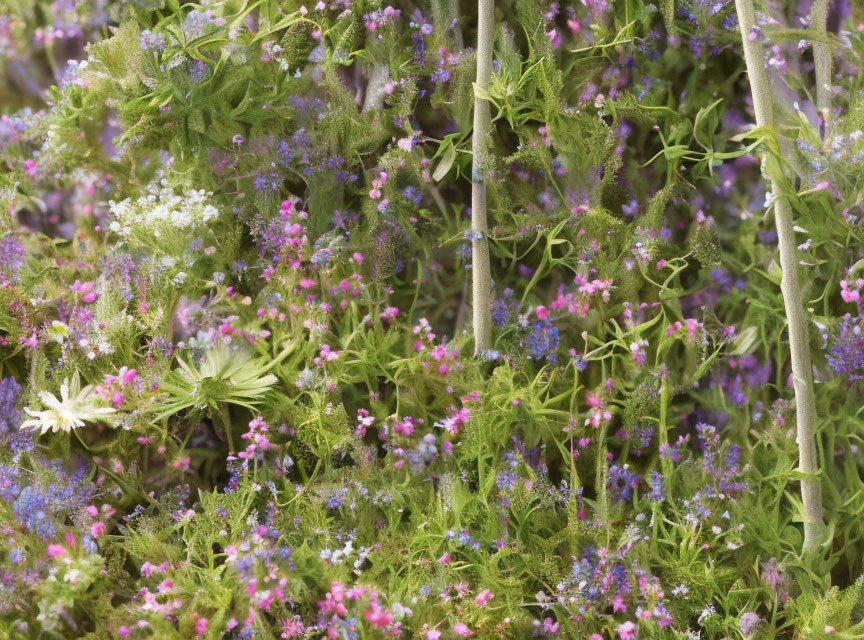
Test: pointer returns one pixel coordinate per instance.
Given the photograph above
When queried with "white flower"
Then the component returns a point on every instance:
(72, 410)
(162, 210)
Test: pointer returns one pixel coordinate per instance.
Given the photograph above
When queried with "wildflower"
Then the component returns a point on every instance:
(706, 613)
(152, 41)
(503, 307)
(461, 629)
(598, 413)
(224, 375)
(851, 293)
(543, 341)
(201, 625)
(771, 573)
(748, 623)
(72, 410)
(378, 616)
(627, 631)
(484, 597)
(620, 483)
(162, 211)
(656, 482)
(12, 254)
(844, 340)
(637, 351)
(549, 627)
(9, 412)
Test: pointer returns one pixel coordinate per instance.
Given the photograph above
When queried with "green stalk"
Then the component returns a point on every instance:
(665, 464)
(796, 318)
(481, 273)
(448, 10)
(821, 58)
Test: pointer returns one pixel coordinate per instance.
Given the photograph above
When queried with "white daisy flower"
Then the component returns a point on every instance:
(72, 410)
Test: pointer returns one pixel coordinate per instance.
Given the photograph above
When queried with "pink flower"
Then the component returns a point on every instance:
(55, 550)
(378, 616)
(848, 293)
(542, 313)
(201, 625)
(445, 559)
(291, 628)
(123, 631)
(627, 631)
(461, 629)
(97, 528)
(484, 597)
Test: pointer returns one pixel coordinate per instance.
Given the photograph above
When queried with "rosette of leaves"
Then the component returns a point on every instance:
(224, 375)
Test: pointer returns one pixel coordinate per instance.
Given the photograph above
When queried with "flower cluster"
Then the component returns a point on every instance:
(162, 211)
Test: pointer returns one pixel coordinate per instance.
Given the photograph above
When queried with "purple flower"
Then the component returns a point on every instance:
(620, 483)
(413, 194)
(748, 623)
(543, 341)
(199, 70)
(10, 414)
(12, 253)
(152, 41)
(844, 341)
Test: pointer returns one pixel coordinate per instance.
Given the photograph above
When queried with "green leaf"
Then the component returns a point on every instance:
(446, 162)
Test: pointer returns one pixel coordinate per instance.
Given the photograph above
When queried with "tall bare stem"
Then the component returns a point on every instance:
(481, 274)
(796, 318)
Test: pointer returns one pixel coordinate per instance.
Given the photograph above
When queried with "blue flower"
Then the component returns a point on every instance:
(10, 415)
(543, 341)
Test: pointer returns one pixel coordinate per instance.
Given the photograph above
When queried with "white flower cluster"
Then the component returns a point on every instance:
(163, 209)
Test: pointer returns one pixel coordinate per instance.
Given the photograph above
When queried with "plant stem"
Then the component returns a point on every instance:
(667, 8)
(665, 463)
(796, 318)
(225, 418)
(481, 274)
(821, 58)
(450, 9)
